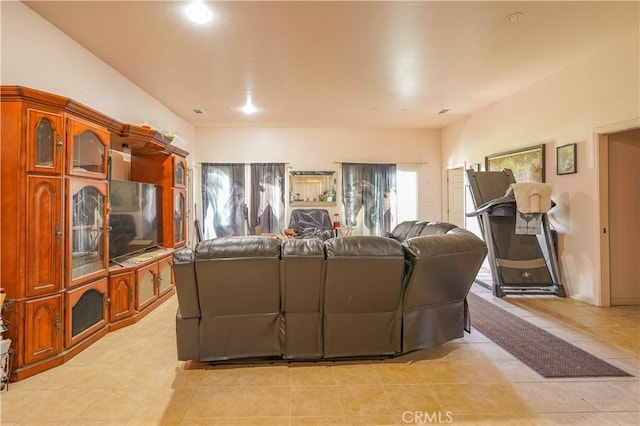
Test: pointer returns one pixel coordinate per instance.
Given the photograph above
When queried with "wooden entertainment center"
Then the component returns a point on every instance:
(63, 292)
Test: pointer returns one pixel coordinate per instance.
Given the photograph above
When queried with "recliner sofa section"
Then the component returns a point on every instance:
(303, 273)
(363, 290)
(305, 299)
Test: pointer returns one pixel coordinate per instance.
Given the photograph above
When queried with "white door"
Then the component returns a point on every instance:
(455, 196)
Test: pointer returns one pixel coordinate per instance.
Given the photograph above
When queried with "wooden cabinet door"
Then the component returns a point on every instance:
(165, 275)
(86, 311)
(45, 146)
(146, 286)
(87, 149)
(122, 296)
(44, 235)
(43, 328)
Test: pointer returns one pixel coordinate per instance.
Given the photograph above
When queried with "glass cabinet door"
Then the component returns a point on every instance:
(179, 203)
(87, 233)
(45, 146)
(87, 150)
(179, 172)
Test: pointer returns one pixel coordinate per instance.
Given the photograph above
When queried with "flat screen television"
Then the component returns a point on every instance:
(134, 218)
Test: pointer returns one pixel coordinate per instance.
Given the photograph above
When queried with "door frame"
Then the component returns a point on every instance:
(602, 292)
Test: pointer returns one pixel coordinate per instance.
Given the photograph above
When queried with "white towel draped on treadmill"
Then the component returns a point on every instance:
(532, 199)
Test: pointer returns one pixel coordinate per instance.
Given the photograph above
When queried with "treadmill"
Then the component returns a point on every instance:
(520, 263)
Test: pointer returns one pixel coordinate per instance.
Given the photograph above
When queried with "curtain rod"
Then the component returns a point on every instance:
(398, 163)
(286, 163)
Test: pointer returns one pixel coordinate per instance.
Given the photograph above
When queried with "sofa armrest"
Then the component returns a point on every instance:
(442, 266)
(455, 240)
(186, 283)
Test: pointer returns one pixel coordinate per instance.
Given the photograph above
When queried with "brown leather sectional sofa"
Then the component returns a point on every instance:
(305, 299)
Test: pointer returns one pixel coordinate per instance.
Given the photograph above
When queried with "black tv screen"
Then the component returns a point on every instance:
(134, 217)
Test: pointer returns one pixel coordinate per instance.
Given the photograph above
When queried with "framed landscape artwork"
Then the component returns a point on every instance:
(527, 164)
(566, 159)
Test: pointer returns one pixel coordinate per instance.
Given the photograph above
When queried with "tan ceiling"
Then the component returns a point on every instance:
(338, 64)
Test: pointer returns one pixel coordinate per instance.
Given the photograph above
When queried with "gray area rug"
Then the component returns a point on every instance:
(545, 353)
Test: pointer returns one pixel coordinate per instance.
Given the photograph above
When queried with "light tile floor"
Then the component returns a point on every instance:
(132, 377)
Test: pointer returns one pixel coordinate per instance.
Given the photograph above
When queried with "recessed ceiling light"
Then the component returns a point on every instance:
(513, 17)
(198, 12)
(248, 107)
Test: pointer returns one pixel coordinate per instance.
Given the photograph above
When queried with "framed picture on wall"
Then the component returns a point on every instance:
(566, 159)
(527, 164)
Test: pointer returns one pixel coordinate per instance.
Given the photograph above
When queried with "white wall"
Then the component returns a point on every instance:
(321, 149)
(567, 107)
(36, 54)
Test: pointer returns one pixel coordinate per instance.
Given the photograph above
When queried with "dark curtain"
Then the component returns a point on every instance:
(267, 197)
(369, 189)
(223, 200)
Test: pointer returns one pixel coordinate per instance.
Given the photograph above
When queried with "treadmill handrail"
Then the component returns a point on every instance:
(490, 205)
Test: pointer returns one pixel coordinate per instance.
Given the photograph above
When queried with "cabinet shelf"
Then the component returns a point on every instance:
(312, 188)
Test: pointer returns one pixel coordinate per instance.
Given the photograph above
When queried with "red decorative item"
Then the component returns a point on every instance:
(336, 221)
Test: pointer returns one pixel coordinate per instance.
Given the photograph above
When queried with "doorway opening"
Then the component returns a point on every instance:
(619, 184)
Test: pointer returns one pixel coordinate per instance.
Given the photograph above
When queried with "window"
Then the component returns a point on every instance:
(407, 194)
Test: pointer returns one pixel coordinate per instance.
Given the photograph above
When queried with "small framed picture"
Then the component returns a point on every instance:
(566, 159)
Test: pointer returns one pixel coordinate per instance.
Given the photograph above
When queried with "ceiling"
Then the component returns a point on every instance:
(338, 64)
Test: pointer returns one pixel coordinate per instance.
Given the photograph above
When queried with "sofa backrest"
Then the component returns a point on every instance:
(434, 228)
(415, 229)
(364, 274)
(401, 230)
(238, 275)
(303, 274)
